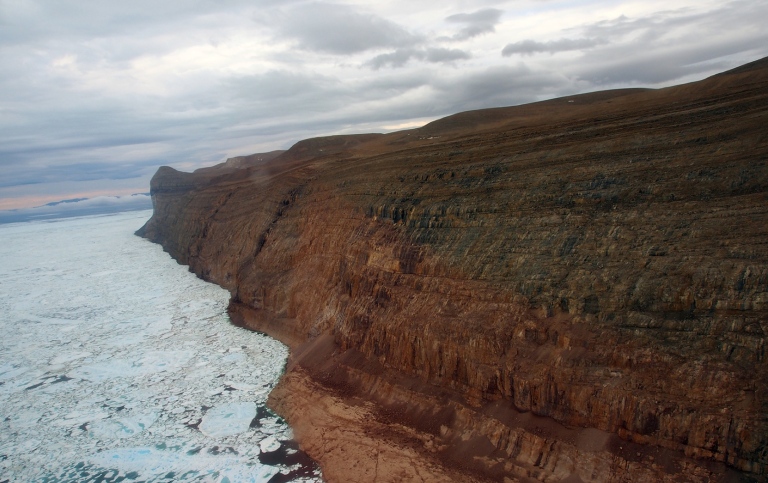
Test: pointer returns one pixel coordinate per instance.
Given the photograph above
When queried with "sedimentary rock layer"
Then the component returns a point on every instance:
(576, 288)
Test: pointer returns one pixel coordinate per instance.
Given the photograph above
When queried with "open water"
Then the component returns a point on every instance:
(118, 364)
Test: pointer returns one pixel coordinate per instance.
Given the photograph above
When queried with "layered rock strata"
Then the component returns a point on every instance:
(570, 290)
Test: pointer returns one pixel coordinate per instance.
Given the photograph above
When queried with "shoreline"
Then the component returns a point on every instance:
(337, 428)
(363, 422)
(506, 299)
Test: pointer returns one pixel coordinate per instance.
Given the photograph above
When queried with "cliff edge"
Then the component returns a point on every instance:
(571, 290)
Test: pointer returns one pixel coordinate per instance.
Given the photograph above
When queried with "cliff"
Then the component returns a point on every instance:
(571, 290)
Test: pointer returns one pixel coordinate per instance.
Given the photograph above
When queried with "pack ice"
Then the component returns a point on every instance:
(117, 364)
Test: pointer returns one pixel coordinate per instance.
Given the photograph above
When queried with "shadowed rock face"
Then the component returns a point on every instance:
(576, 288)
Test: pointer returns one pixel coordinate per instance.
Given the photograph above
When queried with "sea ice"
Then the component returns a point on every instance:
(122, 427)
(117, 361)
(149, 363)
(156, 463)
(78, 418)
(228, 419)
(68, 357)
(269, 445)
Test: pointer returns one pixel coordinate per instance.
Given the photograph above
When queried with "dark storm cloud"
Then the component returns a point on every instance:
(433, 55)
(530, 47)
(477, 23)
(340, 29)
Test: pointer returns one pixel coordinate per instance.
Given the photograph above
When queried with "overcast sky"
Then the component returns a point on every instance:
(95, 94)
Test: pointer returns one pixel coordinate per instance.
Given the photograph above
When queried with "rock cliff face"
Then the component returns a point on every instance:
(570, 290)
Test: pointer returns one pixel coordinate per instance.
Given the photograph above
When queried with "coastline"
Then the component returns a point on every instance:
(502, 301)
(336, 427)
(362, 422)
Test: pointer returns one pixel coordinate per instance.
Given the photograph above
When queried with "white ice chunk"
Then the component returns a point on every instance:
(228, 419)
(269, 444)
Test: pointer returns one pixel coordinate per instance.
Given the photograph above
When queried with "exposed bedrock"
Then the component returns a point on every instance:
(570, 289)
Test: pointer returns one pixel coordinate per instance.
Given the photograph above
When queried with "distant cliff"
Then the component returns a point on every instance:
(574, 289)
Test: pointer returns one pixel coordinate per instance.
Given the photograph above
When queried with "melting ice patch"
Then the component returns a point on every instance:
(118, 364)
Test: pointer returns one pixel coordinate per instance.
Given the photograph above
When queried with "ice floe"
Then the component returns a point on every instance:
(116, 364)
(228, 419)
(269, 445)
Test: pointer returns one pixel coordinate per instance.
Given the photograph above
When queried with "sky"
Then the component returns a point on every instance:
(96, 95)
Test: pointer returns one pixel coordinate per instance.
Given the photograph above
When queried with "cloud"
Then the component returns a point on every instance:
(435, 55)
(658, 67)
(100, 205)
(340, 29)
(530, 47)
(57, 173)
(40, 20)
(498, 86)
(398, 58)
(655, 48)
(96, 98)
(477, 23)
(670, 45)
(432, 55)
(281, 92)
